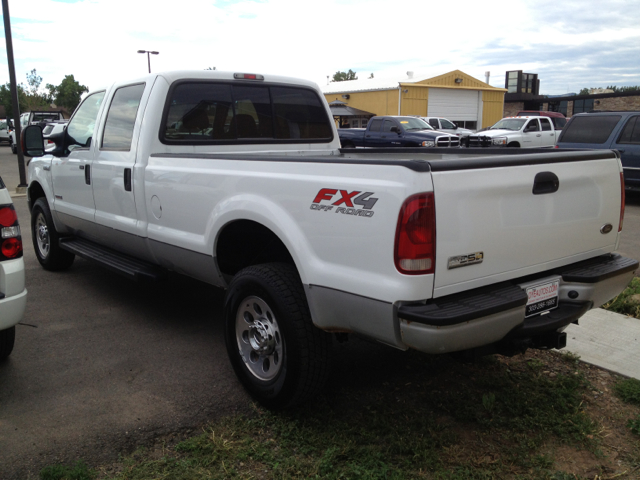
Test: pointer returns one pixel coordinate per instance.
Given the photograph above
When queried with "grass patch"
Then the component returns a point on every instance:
(626, 303)
(80, 471)
(628, 390)
(490, 420)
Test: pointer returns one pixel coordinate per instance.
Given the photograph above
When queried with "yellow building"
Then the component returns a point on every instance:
(459, 97)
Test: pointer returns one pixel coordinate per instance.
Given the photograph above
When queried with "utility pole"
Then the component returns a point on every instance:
(22, 187)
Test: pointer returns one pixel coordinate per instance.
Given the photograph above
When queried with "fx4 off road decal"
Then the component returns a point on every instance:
(344, 202)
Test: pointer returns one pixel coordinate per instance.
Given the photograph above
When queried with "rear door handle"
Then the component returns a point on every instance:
(127, 179)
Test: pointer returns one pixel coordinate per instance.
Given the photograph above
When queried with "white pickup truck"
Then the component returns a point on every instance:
(238, 180)
(524, 132)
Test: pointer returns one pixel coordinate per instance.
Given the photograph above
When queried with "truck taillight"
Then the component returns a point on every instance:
(622, 200)
(10, 239)
(415, 246)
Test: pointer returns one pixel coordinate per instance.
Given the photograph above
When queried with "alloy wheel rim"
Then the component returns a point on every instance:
(42, 236)
(259, 340)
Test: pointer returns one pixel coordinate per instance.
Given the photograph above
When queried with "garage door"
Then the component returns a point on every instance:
(455, 104)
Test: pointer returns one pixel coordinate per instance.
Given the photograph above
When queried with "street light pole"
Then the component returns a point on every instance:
(148, 56)
(14, 97)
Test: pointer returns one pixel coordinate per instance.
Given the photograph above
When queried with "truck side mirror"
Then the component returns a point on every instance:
(32, 141)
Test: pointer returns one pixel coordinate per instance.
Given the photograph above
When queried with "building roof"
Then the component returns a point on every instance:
(369, 84)
(441, 81)
(346, 111)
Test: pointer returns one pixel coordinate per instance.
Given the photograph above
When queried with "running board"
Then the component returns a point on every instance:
(112, 260)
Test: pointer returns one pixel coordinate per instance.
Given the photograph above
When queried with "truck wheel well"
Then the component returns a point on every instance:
(348, 144)
(243, 243)
(514, 145)
(35, 192)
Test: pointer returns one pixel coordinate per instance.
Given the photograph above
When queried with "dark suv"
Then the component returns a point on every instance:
(608, 130)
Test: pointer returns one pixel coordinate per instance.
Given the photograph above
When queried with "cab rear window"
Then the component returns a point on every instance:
(590, 129)
(213, 112)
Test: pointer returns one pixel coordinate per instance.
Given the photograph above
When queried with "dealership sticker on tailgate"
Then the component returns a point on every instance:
(542, 298)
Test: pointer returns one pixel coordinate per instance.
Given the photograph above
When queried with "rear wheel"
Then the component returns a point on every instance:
(45, 239)
(7, 340)
(348, 145)
(280, 357)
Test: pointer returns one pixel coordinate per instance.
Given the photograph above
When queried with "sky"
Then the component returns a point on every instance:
(570, 44)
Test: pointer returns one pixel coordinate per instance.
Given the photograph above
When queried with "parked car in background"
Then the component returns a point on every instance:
(523, 132)
(13, 293)
(34, 118)
(557, 118)
(4, 132)
(608, 130)
(444, 125)
(393, 131)
(52, 131)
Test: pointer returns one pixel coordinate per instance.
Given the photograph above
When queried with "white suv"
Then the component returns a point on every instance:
(13, 294)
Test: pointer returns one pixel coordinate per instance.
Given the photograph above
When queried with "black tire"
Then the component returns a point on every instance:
(7, 340)
(45, 239)
(348, 145)
(267, 322)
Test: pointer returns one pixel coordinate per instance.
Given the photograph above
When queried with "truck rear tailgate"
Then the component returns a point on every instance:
(492, 227)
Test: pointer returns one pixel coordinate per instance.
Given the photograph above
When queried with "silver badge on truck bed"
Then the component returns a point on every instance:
(464, 260)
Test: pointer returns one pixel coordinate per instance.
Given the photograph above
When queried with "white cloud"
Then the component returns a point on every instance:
(97, 40)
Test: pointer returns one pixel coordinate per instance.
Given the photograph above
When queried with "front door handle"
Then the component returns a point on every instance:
(87, 174)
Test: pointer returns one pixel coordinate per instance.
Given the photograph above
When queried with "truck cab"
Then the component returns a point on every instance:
(521, 132)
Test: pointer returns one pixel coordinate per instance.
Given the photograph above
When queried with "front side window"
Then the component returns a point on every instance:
(631, 131)
(532, 126)
(208, 113)
(388, 125)
(83, 123)
(447, 124)
(121, 118)
(589, 129)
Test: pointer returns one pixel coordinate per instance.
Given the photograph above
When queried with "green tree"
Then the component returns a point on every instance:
(344, 76)
(68, 93)
(5, 99)
(34, 99)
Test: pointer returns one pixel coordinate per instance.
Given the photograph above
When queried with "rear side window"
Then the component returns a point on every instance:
(212, 112)
(121, 118)
(590, 129)
(375, 125)
(546, 124)
(559, 122)
(631, 132)
(434, 123)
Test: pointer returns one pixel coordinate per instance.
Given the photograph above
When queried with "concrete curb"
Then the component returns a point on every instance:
(608, 340)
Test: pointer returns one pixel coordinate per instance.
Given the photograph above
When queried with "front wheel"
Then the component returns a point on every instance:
(45, 239)
(7, 339)
(280, 357)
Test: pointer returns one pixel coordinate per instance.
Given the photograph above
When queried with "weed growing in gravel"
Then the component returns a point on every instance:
(629, 391)
(627, 303)
(80, 471)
